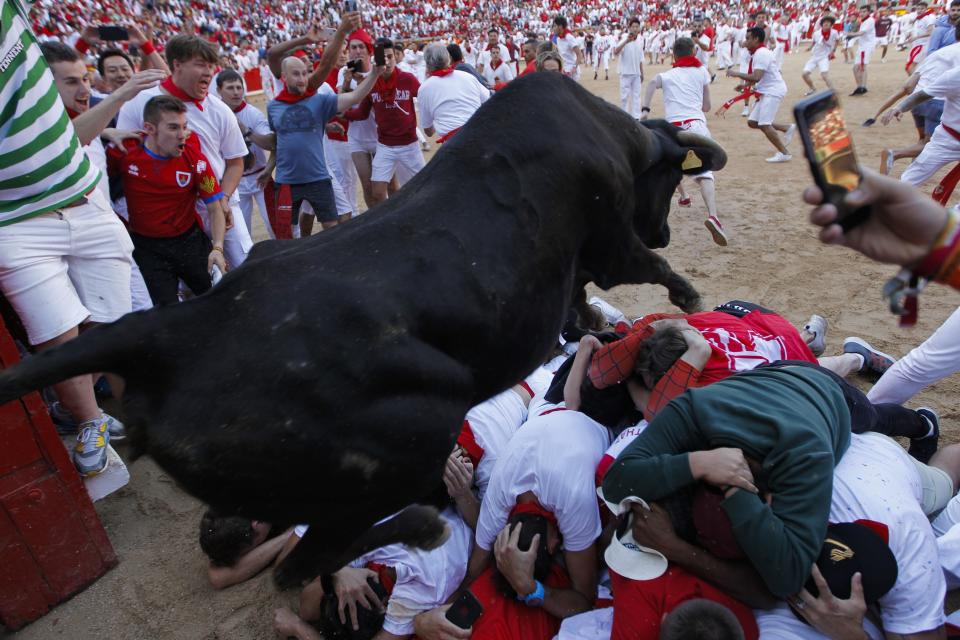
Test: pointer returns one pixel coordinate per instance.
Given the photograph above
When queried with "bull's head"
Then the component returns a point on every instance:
(669, 154)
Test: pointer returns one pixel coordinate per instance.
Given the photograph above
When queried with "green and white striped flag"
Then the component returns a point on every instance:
(42, 165)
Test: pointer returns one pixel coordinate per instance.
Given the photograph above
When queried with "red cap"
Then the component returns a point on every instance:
(363, 37)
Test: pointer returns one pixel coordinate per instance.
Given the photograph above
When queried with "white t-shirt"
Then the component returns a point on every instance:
(867, 41)
(555, 456)
(493, 423)
(703, 52)
(822, 47)
(631, 58)
(947, 87)
(483, 58)
(683, 93)
(362, 131)
(565, 47)
(503, 73)
(447, 103)
(922, 29)
(256, 121)
(425, 579)
(216, 126)
(877, 480)
(771, 84)
(936, 64)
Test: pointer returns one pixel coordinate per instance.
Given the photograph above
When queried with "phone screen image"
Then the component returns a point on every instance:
(833, 148)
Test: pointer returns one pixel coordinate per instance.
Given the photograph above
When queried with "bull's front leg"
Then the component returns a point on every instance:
(645, 266)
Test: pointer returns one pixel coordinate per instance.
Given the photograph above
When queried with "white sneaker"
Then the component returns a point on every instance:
(746, 111)
(788, 135)
(610, 312)
(780, 157)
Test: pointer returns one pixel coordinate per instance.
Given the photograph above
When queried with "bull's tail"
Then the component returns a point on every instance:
(103, 348)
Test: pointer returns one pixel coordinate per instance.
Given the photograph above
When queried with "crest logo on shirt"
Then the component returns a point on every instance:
(201, 166)
(133, 170)
(183, 178)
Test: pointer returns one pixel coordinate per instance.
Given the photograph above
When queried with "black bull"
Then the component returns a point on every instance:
(326, 379)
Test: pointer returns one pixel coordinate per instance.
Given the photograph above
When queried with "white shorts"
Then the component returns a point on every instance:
(363, 146)
(765, 111)
(65, 267)
(863, 55)
(698, 127)
(883, 41)
(405, 160)
(823, 64)
(343, 205)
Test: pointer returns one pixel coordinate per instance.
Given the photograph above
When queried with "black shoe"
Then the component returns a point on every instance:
(869, 122)
(923, 448)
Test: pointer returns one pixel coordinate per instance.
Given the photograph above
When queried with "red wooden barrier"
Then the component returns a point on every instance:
(52, 544)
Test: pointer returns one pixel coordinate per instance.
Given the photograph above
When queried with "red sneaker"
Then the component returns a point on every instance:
(716, 230)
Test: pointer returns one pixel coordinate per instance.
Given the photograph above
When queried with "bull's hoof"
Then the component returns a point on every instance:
(430, 530)
(688, 300)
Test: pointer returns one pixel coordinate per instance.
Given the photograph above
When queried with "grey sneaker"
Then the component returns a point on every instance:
(115, 427)
(874, 361)
(817, 327)
(90, 452)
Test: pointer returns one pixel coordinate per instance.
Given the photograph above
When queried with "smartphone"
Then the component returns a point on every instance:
(465, 610)
(829, 149)
(112, 33)
(351, 6)
(379, 57)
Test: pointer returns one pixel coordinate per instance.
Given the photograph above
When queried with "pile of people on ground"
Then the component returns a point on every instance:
(712, 470)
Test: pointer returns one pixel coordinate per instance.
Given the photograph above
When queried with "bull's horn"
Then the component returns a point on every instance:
(689, 139)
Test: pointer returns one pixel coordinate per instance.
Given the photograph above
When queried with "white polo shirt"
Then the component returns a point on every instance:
(683, 93)
(565, 47)
(554, 455)
(446, 103)
(947, 87)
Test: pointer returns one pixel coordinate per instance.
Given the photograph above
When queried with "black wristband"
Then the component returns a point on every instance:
(644, 109)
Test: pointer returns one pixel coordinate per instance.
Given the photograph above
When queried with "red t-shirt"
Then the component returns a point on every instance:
(162, 193)
(640, 605)
(392, 109)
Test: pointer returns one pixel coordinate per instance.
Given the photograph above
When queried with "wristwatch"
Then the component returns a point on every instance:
(535, 597)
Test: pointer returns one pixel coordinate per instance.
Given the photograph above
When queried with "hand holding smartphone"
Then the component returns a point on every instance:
(465, 610)
(379, 56)
(829, 149)
(112, 33)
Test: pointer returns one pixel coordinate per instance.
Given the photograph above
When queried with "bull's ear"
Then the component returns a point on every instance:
(699, 153)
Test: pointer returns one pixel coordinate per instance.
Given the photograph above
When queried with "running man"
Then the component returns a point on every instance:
(823, 47)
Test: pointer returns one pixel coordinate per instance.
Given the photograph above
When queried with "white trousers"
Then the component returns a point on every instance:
(942, 149)
(247, 200)
(630, 93)
(237, 241)
(936, 358)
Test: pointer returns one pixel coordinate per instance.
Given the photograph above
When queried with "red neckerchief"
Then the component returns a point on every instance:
(168, 86)
(243, 104)
(566, 32)
(826, 34)
(387, 87)
(750, 65)
(925, 13)
(441, 73)
(687, 61)
(495, 66)
(468, 442)
(530, 68)
(293, 98)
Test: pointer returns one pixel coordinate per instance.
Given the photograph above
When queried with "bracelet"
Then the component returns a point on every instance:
(217, 248)
(644, 109)
(148, 48)
(942, 263)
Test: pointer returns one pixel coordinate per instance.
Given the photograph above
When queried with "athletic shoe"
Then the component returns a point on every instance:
(810, 92)
(780, 157)
(684, 202)
(788, 135)
(923, 448)
(62, 418)
(886, 160)
(869, 122)
(874, 361)
(746, 111)
(610, 312)
(716, 230)
(817, 325)
(115, 427)
(90, 452)
(859, 91)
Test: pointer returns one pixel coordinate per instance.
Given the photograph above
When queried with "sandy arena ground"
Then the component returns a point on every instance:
(159, 590)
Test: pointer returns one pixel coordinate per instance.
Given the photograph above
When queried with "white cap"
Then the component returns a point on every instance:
(624, 555)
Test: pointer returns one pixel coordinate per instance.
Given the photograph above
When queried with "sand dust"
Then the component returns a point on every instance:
(159, 589)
